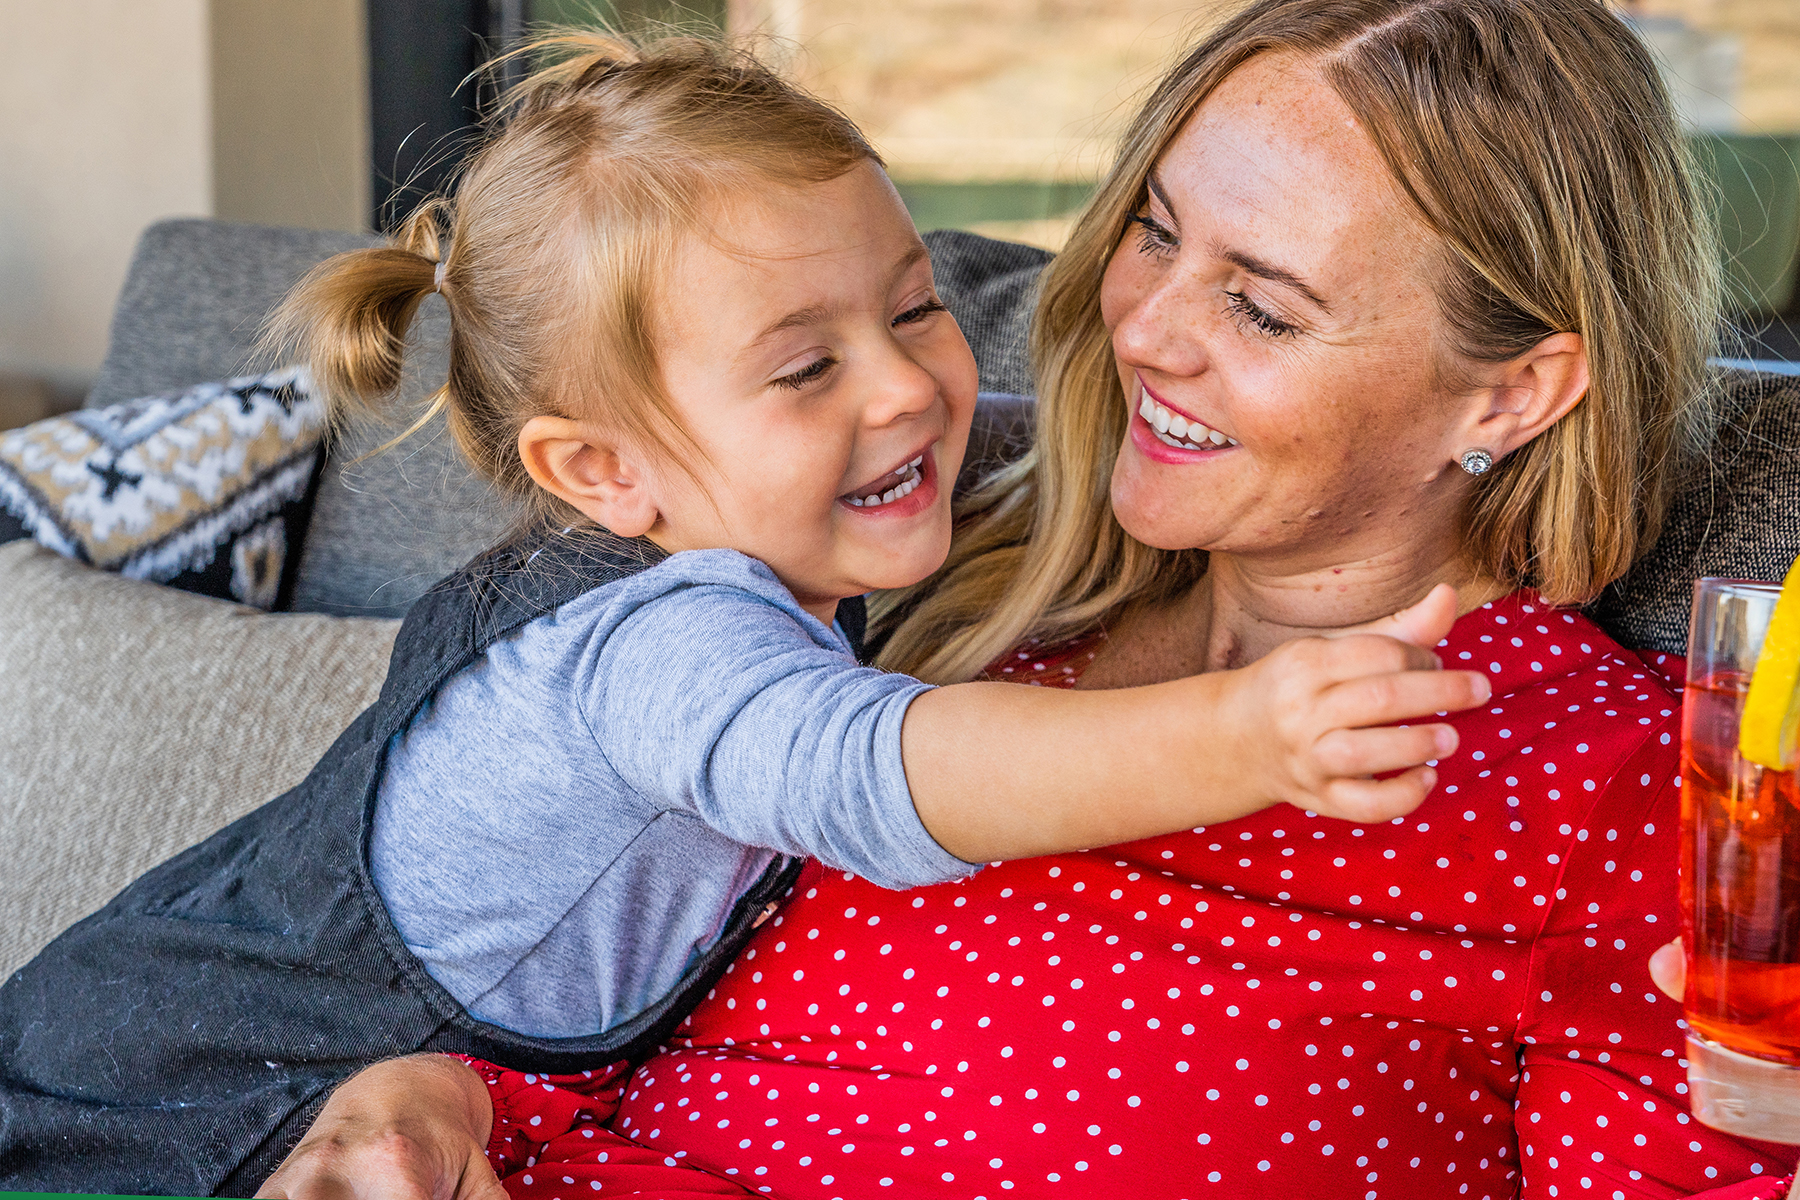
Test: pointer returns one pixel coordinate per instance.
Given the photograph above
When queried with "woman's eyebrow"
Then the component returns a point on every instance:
(1238, 258)
(1274, 274)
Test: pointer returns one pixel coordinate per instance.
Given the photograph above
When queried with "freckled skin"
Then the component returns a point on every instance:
(1346, 436)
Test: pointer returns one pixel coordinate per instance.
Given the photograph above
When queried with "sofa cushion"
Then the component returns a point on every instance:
(139, 719)
(1737, 515)
(195, 299)
(203, 490)
(388, 525)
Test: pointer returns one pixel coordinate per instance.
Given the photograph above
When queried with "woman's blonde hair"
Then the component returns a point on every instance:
(1536, 139)
(558, 241)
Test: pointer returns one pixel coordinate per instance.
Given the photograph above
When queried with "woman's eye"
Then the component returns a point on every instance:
(807, 374)
(1153, 237)
(1246, 309)
(919, 312)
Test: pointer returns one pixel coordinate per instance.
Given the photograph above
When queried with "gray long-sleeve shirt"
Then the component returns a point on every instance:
(571, 818)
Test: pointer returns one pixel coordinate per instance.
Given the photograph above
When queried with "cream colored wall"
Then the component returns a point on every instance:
(105, 125)
(117, 113)
(290, 112)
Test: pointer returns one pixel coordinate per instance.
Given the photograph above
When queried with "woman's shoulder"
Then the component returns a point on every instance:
(1571, 710)
(1528, 646)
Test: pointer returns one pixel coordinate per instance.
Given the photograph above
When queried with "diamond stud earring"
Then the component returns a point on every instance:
(1476, 462)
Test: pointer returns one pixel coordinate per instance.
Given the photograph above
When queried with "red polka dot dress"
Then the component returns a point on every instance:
(1455, 1003)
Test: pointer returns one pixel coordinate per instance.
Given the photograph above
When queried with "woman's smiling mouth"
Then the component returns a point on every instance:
(1176, 429)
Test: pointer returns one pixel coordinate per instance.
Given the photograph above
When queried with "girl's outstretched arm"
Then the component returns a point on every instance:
(999, 771)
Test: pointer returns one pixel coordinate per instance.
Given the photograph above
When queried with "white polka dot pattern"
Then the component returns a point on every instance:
(1452, 1004)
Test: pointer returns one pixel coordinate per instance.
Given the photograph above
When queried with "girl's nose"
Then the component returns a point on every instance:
(1165, 328)
(904, 388)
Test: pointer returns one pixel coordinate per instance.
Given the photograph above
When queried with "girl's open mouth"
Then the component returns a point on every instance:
(895, 485)
(908, 488)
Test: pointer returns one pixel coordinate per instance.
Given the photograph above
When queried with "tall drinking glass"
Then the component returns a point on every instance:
(1740, 883)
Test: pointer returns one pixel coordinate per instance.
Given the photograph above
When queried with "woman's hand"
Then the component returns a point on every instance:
(1323, 714)
(1668, 970)
(406, 1129)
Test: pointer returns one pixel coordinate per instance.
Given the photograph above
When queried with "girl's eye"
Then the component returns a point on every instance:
(1246, 309)
(1153, 237)
(807, 374)
(919, 312)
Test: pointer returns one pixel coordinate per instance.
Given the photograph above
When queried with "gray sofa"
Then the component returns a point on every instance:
(143, 719)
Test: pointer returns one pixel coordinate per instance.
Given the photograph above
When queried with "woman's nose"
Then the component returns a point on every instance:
(1164, 328)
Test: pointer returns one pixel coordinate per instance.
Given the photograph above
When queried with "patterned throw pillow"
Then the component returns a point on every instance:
(205, 490)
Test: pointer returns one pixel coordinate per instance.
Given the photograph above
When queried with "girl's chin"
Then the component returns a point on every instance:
(886, 567)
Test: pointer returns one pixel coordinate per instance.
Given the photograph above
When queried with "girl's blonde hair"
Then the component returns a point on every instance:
(1537, 140)
(558, 241)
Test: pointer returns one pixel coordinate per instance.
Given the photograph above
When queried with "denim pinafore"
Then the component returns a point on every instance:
(182, 1038)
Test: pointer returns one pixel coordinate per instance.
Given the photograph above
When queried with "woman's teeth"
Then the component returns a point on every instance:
(1176, 430)
(910, 478)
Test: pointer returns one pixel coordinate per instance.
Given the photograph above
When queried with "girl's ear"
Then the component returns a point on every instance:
(576, 462)
(1531, 393)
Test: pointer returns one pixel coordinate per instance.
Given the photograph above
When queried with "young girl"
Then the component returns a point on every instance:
(690, 316)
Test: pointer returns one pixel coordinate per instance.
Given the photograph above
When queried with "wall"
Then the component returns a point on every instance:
(117, 113)
(105, 125)
(290, 103)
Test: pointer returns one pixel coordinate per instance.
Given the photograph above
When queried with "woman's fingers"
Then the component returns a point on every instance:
(412, 1128)
(1668, 969)
(1353, 753)
(393, 1167)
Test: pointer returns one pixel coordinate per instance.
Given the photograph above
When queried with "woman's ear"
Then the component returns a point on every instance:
(1532, 392)
(574, 461)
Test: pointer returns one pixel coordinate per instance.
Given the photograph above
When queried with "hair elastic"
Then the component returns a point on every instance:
(437, 278)
(1476, 462)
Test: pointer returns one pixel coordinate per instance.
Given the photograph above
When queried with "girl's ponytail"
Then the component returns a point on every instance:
(347, 319)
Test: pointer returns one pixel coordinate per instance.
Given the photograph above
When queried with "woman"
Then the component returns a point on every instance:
(1435, 270)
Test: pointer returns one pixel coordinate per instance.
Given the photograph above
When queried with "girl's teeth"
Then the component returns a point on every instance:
(899, 491)
(1176, 430)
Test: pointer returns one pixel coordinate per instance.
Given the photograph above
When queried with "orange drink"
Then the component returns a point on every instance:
(1740, 883)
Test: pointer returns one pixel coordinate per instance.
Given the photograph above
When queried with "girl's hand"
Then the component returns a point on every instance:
(1668, 970)
(1324, 712)
(406, 1129)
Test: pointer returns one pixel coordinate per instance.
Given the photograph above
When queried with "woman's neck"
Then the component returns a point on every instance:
(1241, 610)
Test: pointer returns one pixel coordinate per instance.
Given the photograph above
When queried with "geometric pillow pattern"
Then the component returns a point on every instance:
(204, 490)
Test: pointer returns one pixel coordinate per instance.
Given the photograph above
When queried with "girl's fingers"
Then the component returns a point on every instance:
(1668, 969)
(1402, 696)
(1374, 800)
(1356, 752)
(1425, 624)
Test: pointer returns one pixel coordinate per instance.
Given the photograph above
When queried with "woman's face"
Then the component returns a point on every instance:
(1276, 290)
